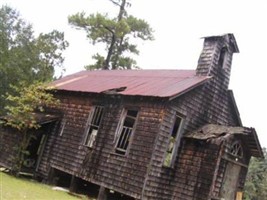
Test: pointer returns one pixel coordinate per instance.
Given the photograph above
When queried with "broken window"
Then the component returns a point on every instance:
(173, 142)
(125, 131)
(236, 150)
(92, 127)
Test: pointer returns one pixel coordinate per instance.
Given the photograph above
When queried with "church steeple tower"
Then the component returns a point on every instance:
(216, 57)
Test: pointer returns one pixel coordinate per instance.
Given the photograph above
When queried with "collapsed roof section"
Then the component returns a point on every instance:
(222, 133)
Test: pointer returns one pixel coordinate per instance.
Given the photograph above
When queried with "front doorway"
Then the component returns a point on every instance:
(35, 148)
(230, 181)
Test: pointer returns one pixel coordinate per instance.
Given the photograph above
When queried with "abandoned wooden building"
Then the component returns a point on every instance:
(148, 134)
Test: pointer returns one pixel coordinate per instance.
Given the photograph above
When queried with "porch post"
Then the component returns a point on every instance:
(51, 175)
(103, 193)
(73, 184)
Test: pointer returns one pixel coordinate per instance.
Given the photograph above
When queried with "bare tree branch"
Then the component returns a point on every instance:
(116, 3)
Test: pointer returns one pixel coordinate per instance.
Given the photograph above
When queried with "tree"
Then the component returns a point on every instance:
(20, 116)
(116, 34)
(256, 182)
(24, 57)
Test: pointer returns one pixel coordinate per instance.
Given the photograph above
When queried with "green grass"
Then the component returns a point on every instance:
(12, 188)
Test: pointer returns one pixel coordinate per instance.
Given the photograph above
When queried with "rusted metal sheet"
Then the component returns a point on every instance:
(159, 83)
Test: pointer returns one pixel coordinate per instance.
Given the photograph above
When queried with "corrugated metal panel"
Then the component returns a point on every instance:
(160, 83)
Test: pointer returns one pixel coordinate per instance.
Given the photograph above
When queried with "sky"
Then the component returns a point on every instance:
(178, 30)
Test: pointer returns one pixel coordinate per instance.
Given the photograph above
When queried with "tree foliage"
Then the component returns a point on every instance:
(256, 182)
(117, 34)
(24, 57)
(21, 115)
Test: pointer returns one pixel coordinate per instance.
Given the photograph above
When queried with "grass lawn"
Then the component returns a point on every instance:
(12, 188)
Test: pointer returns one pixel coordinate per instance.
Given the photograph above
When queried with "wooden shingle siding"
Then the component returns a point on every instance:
(127, 173)
(191, 180)
(209, 103)
(9, 139)
(64, 152)
(101, 165)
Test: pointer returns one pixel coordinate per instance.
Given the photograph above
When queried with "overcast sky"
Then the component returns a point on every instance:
(178, 28)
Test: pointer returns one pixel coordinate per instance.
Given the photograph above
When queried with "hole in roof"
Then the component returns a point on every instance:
(114, 90)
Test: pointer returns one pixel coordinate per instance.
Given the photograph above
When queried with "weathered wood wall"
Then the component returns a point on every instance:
(101, 165)
(127, 174)
(210, 103)
(196, 108)
(9, 139)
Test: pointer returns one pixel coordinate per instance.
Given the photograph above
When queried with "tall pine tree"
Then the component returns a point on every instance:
(117, 34)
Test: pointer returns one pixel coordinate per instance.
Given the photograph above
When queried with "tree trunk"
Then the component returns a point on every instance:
(110, 51)
(21, 152)
(114, 38)
(115, 65)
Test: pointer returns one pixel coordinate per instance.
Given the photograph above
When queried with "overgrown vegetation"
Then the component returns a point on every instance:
(256, 182)
(17, 188)
(26, 59)
(21, 116)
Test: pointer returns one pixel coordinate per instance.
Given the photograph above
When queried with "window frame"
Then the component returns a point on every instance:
(176, 142)
(91, 130)
(120, 127)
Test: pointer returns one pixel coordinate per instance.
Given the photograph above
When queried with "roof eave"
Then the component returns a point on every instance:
(189, 89)
(231, 94)
(257, 142)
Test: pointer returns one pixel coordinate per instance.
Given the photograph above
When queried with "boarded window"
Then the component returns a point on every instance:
(92, 126)
(125, 131)
(173, 142)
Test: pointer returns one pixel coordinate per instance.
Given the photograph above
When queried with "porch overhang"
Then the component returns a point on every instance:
(221, 133)
(40, 118)
(45, 118)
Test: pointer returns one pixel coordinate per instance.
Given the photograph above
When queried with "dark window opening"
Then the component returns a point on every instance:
(175, 135)
(93, 124)
(222, 62)
(35, 148)
(125, 131)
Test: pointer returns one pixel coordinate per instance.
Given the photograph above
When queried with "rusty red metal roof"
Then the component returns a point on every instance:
(157, 83)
